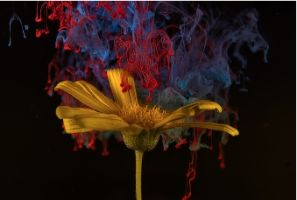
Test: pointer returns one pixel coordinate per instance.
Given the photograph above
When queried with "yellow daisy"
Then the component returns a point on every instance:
(139, 125)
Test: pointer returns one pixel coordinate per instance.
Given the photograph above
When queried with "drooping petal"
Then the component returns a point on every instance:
(77, 120)
(123, 87)
(207, 125)
(84, 95)
(189, 110)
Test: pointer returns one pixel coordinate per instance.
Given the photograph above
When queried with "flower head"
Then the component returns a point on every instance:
(137, 123)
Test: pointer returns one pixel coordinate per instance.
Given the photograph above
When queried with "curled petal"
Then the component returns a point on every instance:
(189, 110)
(207, 125)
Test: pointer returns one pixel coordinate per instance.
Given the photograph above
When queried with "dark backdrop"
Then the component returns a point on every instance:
(37, 161)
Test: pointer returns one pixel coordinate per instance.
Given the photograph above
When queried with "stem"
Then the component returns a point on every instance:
(138, 161)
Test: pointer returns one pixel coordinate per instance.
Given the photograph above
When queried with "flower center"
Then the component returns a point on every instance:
(143, 116)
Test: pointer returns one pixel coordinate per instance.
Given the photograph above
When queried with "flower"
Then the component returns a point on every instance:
(139, 125)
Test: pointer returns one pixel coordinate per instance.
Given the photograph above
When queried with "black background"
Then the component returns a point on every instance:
(37, 161)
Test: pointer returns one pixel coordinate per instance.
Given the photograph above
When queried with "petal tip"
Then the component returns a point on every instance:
(58, 86)
(59, 112)
(219, 109)
(233, 131)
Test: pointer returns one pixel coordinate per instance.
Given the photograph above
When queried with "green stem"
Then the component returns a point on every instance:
(138, 161)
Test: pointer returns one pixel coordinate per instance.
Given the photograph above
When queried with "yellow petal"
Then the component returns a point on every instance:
(72, 126)
(207, 125)
(87, 96)
(124, 98)
(77, 120)
(101, 123)
(201, 105)
(110, 105)
(189, 110)
(70, 112)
